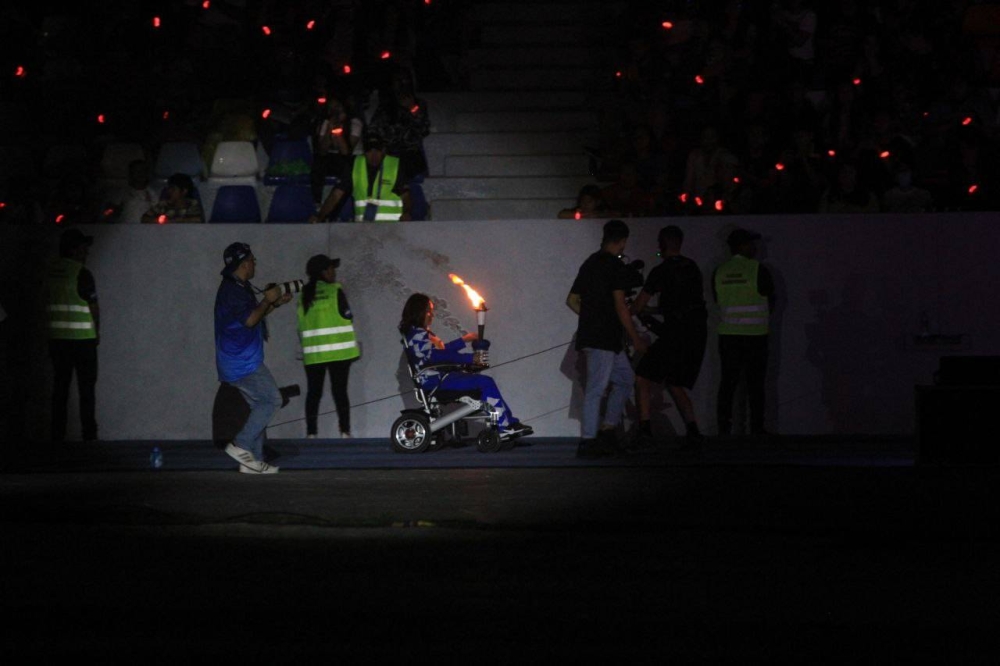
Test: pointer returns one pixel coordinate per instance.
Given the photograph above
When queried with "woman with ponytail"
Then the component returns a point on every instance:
(329, 344)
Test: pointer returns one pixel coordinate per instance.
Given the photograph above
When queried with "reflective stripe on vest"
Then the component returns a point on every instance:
(389, 206)
(69, 315)
(744, 309)
(326, 335)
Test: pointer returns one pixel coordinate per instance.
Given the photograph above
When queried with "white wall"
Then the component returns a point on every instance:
(851, 291)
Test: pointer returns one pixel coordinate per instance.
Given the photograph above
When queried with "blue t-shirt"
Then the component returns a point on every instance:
(239, 350)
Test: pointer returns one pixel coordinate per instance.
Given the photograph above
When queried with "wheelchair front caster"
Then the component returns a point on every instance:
(411, 433)
(488, 441)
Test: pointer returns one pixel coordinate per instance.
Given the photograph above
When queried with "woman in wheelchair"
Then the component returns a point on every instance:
(425, 349)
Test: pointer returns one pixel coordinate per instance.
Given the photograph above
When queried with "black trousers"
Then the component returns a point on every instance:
(339, 373)
(69, 356)
(742, 355)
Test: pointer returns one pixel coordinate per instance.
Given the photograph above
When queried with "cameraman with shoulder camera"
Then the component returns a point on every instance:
(240, 332)
(598, 297)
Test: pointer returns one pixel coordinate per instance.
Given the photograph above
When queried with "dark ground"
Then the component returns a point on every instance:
(813, 550)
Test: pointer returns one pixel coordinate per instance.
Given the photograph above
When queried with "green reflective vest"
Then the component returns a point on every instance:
(389, 206)
(69, 315)
(744, 309)
(326, 336)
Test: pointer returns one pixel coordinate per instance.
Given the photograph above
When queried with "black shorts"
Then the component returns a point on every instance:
(675, 358)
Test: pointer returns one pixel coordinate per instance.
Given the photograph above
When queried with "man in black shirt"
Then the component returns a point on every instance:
(598, 297)
(675, 358)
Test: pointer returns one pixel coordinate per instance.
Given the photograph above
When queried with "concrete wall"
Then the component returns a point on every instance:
(851, 294)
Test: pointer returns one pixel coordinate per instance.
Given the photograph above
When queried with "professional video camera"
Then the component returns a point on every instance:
(292, 287)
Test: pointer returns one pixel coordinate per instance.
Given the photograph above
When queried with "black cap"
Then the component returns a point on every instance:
(320, 263)
(738, 237)
(72, 239)
(374, 141)
(234, 256)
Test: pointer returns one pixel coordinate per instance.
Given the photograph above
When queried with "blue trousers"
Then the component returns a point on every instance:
(261, 393)
(464, 381)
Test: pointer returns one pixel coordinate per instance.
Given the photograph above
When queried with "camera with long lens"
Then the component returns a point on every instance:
(291, 287)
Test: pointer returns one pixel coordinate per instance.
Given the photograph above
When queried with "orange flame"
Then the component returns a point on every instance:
(474, 296)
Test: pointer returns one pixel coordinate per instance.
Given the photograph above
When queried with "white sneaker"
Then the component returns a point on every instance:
(242, 456)
(260, 468)
(345, 435)
(312, 436)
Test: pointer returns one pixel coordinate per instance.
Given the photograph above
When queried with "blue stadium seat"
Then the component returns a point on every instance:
(291, 203)
(179, 157)
(284, 154)
(236, 204)
(418, 202)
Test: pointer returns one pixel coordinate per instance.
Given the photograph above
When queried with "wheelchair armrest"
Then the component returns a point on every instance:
(452, 367)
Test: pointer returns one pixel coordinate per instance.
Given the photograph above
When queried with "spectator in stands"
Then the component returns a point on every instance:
(846, 194)
(139, 197)
(336, 133)
(904, 196)
(402, 119)
(589, 205)
(626, 196)
(710, 169)
(177, 203)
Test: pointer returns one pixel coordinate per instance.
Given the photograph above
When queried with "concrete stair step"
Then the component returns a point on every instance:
(492, 166)
(504, 187)
(442, 145)
(501, 12)
(525, 121)
(566, 33)
(540, 56)
(498, 209)
(446, 106)
(541, 78)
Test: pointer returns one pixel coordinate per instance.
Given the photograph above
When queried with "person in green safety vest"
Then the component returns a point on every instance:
(329, 343)
(74, 332)
(744, 290)
(377, 182)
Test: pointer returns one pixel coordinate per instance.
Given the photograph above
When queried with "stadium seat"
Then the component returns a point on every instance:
(179, 157)
(236, 204)
(233, 159)
(289, 162)
(291, 203)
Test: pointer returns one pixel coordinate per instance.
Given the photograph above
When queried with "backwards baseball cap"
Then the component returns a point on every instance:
(72, 239)
(320, 263)
(234, 256)
(738, 237)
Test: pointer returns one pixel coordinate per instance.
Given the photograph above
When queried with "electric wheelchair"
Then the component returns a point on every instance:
(443, 416)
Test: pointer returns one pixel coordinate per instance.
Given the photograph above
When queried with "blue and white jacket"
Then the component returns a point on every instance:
(421, 352)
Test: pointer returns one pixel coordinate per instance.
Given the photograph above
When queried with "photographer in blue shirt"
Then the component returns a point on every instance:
(240, 332)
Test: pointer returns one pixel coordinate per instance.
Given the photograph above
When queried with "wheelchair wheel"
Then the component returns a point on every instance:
(411, 433)
(488, 441)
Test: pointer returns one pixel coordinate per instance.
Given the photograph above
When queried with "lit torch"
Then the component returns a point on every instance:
(479, 305)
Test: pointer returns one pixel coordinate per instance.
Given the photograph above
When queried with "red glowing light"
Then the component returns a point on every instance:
(108, 212)
(100, 118)
(779, 166)
(385, 55)
(337, 131)
(683, 197)
(321, 100)
(667, 25)
(699, 79)
(973, 189)
(20, 72)
(166, 115)
(347, 69)
(206, 4)
(414, 108)
(427, 2)
(156, 21)
(719, 205)
(266, 30)
(885, 154)
(161, 219)
(967, 120)
(736, 179)
(3, 204)
(856, 82)
(618, 74)
(59, 218)
(831, 153)
(698, 201)
(311, 25)
(926, 113)
(265, 113)
(577, 215)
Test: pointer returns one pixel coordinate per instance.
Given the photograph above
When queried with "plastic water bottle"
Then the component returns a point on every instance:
(156, 458)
